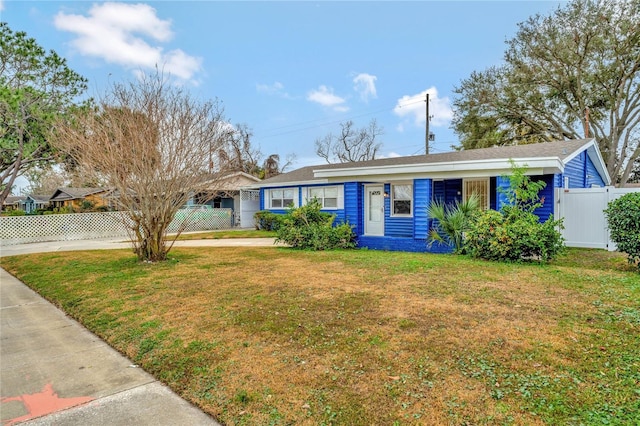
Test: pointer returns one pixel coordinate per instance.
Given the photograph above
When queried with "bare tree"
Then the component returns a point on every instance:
(351, 144)
(151, 142)
(239, 154)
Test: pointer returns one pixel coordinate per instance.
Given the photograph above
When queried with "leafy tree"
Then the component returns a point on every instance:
(351, 144)
(150, 142)
(574, 72)
(35, 88)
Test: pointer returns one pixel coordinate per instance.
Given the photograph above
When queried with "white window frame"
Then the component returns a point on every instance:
(470, 185)
(311, 192)
(272, 196)
(394, 199)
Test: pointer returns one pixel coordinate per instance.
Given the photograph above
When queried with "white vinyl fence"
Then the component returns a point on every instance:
(84, 226)
(585, 224)
(249, 205)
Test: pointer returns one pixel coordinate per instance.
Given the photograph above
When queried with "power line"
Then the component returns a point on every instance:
(321, 123)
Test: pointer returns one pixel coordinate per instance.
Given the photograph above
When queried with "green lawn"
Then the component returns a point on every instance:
(261, 336)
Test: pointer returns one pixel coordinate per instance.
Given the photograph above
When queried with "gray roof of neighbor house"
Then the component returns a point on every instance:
(14, 199)
(558, 149)
(39, 197)
(63, 194)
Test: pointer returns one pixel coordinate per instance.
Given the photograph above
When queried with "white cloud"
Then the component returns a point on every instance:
(365, 85)
(270, 89)
(1, 5)
(276, 89)
(411, 107)
(120, 32)
(324, 96)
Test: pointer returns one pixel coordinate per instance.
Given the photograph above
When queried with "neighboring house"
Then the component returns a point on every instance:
(76, 197)
(12, 203)
(386, 200)
(224, 193)
(34, 202)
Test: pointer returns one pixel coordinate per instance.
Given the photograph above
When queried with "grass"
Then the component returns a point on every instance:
(258, 336)
(216, 235)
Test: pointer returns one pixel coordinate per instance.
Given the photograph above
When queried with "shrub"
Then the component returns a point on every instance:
(499, 236)
(623, 218)
(16, 212)
(515, 233)
(309, 228)
(264, 219)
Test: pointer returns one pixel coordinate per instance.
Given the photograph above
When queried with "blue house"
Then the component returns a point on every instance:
(386, 200)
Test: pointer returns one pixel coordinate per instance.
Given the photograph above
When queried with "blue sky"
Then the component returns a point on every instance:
(291, 71)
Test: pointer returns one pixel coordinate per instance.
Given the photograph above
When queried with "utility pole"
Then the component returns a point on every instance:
(586, 123)
(426, 135)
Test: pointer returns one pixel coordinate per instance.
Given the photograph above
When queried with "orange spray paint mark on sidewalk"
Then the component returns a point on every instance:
(43, 403)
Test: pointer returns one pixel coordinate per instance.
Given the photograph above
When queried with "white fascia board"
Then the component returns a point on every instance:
(450, 169)
(575, 153)
(290, 184)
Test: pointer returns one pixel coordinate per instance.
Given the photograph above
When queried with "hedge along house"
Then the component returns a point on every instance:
(386, 200)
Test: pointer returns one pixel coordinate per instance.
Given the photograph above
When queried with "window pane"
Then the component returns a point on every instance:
(402, 192)
(276, 203)
(331, 202)
(316, 192)
(287, 202)
(288, 193)
(401, 207)
(331, 192)
(276, 193)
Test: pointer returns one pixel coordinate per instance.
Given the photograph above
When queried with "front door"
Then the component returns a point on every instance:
(374, 210)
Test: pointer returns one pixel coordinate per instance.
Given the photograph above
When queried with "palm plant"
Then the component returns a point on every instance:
(451, 221)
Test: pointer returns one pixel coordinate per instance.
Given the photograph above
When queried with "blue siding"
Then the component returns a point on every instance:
(575, 170)
(593, 177)
(421, 199)
(400, 244)
(558, 180)
(353, 205)
(262, 199)
(502, 185)
(581, 172)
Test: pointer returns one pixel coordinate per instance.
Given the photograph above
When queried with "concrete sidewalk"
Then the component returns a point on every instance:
(120, 243)
(55, 372)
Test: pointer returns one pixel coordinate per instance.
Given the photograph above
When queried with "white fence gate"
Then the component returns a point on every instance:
(249, 205)
(585, 224)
